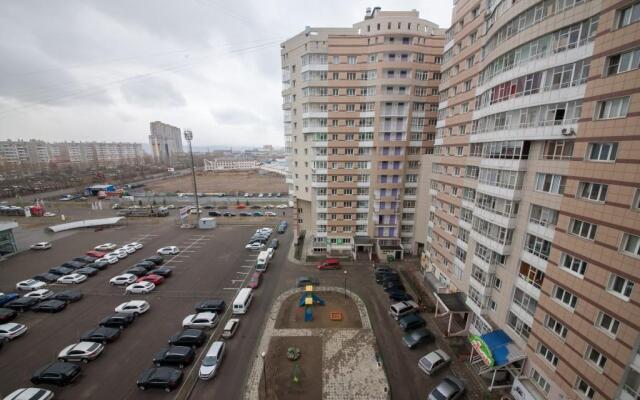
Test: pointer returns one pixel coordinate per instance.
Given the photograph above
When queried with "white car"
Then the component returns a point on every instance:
(11, 330)
(83, 351)
(123, 279)
(106, 247)
(205, 319)
(140, 287)
(434, 361)
(49, 214)
(31, 393)
(281, 206)
(171, 206)
(109, 259)
(72, 278)
(135, 307)
(254, 246)
(270, 214)
(41, 246)
(29, 285)
(40, 294)
(120, 253)
(169, 250)
(127, 249)
(212, 360)
(136, 245)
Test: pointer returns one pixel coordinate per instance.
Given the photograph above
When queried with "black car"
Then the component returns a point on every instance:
(162, 377)
(7, 315)
(174, 355)
(215, 214)
(102, 335)
(274, 243)
(382, 268)
(61, 271)
(97, 265)
(399, 295)
(88, 271)
(208, 207)
(417, 337)
(162, 271)
(69, 296)
(73, 264)
(22, 303)
(117, 320)
(51, 306)
(188, 337)
(137, 271)
(245, 214)
(394, 287)
(228, 214)
(157, 260)
(85, 259)
(57, 373)
(214, 305)
(390, 278)
(46, 277)
(411, 322)
(147, 265)
(385, 275)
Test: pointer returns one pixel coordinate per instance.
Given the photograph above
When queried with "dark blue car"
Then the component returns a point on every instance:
(7, 297)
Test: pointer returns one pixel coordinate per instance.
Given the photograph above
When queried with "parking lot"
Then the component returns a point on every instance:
(212, 263)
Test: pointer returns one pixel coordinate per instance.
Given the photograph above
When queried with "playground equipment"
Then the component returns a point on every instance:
(293, 353)
(308, 300)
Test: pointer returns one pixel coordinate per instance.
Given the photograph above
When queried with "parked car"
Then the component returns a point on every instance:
(255, 280)
(411, 321)
(88, 271)
(212, 305)
(60, 271)
(103, 334)
(134, 307)
(228, 214)
(205, 319)
(22, 304)
(106, 247)
(40, 294)
(162, 271)
(434, 361)
(382, 268)
(12, 330)
(82, 351)
(157, 260)
(212, 360)
(109, 259)
(403, 308)
(306, 280)
(96, 254)
(180, 356)
(417, 337)
(450, 388)
(137, 271)
(380, 277)
(136, 245)
(155, 279)
(254, 246)
(32, 393)
(72, 278)
(7, 297)
(29, 285)
(399, 295)
(160, 377)
(68, 296)
(230, 328)
(57, 373)
(169, 250)
(98, 264)
(85, 259)
(41, 246)
(245, 214)
(392, 286)
(123, 279)
(140, 288)
(215, 214)
(117, 320)
(147, 265)
(50, 306)
(188, 337)
(331, 263)
(7, 315)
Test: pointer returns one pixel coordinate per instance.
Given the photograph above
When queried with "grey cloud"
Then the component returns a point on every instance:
(235, 117)
(152, 92)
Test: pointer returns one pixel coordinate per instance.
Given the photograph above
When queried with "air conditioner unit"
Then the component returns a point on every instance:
(570, 132)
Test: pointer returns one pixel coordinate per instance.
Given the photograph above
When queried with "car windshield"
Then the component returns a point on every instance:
(439, 396)
(209, 361)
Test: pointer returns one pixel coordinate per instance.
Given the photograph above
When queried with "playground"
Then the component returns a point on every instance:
(292, 316)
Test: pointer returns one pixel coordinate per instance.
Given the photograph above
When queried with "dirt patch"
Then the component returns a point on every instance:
(282, 373)
(291, 315)
(227, 182)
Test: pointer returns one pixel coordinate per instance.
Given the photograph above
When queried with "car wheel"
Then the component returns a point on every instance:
(142, 387)
(61, 359)
(158, 364)
(135, 314)
(85, 360)
(104, 342)
(167, 389)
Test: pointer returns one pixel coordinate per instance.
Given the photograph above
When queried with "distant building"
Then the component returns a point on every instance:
(7, 241)
(165, 141)
(229, 164)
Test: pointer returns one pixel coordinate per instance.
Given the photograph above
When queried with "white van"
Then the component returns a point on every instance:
(212, 360)
(263, 261)
(242, 301)
(402, 308)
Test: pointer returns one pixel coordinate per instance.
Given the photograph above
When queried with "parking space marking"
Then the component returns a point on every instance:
(188, 251)
(246, 266)
(231, 288)
(241, 272)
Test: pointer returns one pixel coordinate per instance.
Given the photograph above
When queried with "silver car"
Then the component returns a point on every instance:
(450, 388)
(434, 361)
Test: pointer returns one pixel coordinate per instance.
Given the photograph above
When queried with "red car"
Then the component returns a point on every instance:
(329, 264)
(96, 254)
(153, 278)
(256, 278)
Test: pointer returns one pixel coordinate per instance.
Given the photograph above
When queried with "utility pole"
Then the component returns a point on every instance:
(188, 135)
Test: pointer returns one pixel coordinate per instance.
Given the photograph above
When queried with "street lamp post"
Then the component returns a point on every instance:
(345, 283)
(188, 135)
(264, 372)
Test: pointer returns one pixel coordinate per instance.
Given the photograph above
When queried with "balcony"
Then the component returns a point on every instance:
(395, 111)
(501, 248)
(315, 114)
(487, 215)
(499, 163)
(314, 67)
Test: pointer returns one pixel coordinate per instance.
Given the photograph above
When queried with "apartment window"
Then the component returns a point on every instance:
(583, 229)
(531, 274)
(544, 216)
(537, 246)
(526, 302)
(518, 325)
(555, 326)
(497, 283)
(628, 15)
(620, 286)
(602, 151)
(624, 62)
(635, 204)
(613, 108)
(597, 358)
(557, 150)
(351, 92)
(467, 85)
(631, 244)
(351, 59)
(607, 323)
(584, 389)
(336, 59)
(573, 264)
(547, 354)
(540, 381)
(567, 298)
(592, 191)
(550, 183)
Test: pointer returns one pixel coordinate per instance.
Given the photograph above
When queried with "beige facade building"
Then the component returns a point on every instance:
(535, 188)
(360, 107)
(166, 142)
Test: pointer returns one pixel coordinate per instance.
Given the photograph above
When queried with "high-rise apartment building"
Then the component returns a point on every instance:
(360, 108)
(165, 141)
(535, 187)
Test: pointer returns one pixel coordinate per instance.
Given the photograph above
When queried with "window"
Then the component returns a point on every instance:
(635, 204)
(567, 298)
(592, 191)
(595, 357)
(518, 325)
(540, 381)
(573, 264)
(547, 354)
(624, 62)
(607, 323)
(550, 183)
(351, 59)
(584, 389)
(544, 216)
(526, 302)
(556, 327)
(613, 108)
(557, 150)
(631, 244)
(531, 274)
(620, 286)
(537, 246)
(602, 151)
(628, 15)
(583, 229)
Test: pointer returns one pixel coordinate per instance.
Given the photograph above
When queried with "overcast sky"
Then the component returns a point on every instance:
(102, 70)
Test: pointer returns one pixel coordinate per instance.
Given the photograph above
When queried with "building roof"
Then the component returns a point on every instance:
(5, 226)
(454, 302)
